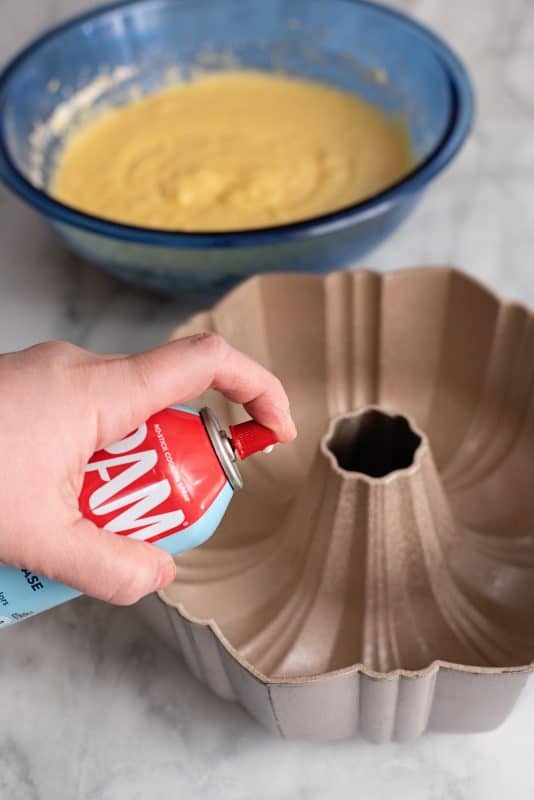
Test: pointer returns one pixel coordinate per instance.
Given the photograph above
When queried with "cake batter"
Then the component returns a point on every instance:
(231, 151)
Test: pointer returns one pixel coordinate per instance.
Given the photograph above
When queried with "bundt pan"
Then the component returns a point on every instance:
(376, 577)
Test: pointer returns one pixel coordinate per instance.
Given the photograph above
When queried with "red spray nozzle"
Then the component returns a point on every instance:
(249, 437)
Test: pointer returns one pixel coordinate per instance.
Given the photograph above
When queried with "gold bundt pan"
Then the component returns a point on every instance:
(388, 554)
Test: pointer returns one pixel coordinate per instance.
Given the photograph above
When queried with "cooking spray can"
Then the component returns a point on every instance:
(169, 482)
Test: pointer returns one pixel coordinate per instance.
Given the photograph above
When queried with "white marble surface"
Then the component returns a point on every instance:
(91, 705)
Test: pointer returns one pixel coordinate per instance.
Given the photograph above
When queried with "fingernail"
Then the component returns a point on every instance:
(293, 428)
(286, 424)
(167, 573)
(288, 432)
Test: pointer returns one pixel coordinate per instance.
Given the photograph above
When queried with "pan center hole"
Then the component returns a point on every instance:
(373, 443)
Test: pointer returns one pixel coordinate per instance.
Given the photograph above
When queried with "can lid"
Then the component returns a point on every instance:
(250, 437)
(223, 447)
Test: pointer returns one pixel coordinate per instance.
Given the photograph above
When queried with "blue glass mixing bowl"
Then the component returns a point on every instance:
(116, 52)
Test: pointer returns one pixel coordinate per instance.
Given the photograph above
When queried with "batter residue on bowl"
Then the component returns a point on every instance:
(231, 151)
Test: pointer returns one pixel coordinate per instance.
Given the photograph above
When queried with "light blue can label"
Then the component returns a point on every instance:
(24, 593)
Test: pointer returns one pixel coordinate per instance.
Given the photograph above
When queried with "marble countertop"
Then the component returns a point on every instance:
(92, 706)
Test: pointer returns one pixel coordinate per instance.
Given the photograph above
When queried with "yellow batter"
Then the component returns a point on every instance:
(231, 151)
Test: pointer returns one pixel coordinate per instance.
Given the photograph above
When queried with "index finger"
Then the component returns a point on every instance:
(181, 370)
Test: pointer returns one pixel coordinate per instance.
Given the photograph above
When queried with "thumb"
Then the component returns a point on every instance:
(106, 565)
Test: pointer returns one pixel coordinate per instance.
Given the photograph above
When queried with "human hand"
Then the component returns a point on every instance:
(58, 405)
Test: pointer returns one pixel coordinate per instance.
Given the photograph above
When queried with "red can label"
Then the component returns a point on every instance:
(156, 481)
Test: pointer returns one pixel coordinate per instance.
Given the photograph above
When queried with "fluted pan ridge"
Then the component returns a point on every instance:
(397, 532)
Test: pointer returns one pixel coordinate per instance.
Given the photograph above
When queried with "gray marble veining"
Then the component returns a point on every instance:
(92, 707)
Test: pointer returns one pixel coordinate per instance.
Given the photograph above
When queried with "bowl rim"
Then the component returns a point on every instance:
(458, 127)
